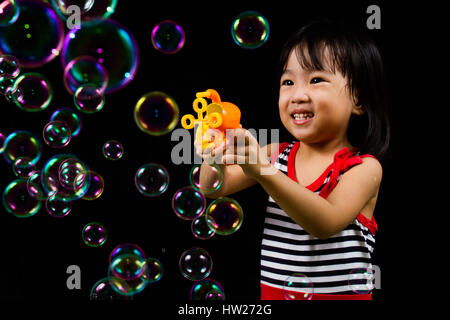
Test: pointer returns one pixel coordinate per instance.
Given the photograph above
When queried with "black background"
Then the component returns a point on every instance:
(411, 241)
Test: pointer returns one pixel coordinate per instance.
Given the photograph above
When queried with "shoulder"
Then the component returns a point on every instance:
(372, 165)
(370, 171)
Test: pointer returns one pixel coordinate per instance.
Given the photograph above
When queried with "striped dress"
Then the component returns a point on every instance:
(297, 265)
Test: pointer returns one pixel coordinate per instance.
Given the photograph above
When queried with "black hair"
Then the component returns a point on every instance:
(358, 58)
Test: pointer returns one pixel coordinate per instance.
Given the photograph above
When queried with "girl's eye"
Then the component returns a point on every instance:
(316, 80)
(287, 83)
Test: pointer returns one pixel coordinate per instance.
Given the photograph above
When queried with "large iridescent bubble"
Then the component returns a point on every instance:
(156, 113)
(36, 37)
(110, 44)
(195, 264)
(250, 30)
(168, 37)
(224, 216)
(188, 203)
(32, 92)
(22, 143)
(18, 201)
(151, 179)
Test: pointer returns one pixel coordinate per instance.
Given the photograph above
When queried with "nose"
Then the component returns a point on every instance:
(299, 95)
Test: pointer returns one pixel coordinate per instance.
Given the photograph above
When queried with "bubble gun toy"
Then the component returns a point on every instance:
(219, 115)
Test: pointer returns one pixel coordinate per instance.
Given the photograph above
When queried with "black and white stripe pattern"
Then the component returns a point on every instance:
(330, 266)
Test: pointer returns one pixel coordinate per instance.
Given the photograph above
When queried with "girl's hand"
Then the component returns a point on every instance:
(209, 155)
(243, 149)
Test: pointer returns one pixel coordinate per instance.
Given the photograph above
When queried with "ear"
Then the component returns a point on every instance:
(359, 110)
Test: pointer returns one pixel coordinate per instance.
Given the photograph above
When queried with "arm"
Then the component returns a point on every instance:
(318, 216)
(326, 217)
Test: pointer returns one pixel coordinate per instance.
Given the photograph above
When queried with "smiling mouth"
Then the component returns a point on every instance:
(302, 116)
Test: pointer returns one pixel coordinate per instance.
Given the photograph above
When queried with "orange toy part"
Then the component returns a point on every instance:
(231, 116)
(214, 96)
(231, 113)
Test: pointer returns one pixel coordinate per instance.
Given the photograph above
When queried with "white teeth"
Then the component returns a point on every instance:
(301, 116)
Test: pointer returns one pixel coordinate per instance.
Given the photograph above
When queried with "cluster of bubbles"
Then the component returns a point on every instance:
(129, 272)
(100, 56)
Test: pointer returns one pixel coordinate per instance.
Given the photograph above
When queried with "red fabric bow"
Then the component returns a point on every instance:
(344, 159)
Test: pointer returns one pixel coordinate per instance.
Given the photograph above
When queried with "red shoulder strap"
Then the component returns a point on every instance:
(281, 148)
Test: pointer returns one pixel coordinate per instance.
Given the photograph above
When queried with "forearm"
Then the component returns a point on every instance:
(312, 212)
(233, 180)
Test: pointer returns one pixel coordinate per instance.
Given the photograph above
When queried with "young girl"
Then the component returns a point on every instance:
(319, 227)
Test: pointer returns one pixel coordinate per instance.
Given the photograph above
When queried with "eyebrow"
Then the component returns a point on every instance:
(289, 71)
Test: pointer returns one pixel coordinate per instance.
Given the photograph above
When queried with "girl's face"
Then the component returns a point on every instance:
(315, 106)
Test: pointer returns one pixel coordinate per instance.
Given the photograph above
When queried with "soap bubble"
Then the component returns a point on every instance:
(9, 12)
(200, 228)
(36, 37)
(168, 37)
(110, 288)
(84, 70)
(151, 179)
(58, 208)
(298, 287)
(250, 30)
(18, 201)
(126, 248)
(9, 66)
(224, 216)
(96, 186)
(156, 113)
(71, 172)
(195, 264)
(22, 143)
(89, 98)
(70, 118)
(57, 134)
(188, 203)
(110, 44)
(129, 264)
(217, 179)
(127, 261)
(207, 289)
(32, 92)
(154, 270)
(361, 280)
(23, 167)
(113, 150)
(133, 286)
(93, 234)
